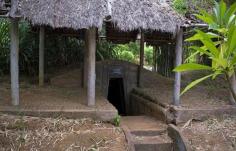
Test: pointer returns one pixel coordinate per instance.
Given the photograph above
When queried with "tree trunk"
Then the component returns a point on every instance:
(14, 62)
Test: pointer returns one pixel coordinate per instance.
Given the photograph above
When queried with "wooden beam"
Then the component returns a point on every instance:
(41, 55)
(14, 33)
(178, 61)
(141, 59)
(91, 63)
(233, 83)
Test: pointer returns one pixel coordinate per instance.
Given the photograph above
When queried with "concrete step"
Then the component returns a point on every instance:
(152, 143)
(143, 123)
(146, 133)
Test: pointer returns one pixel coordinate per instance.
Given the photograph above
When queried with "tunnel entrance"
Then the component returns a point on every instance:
(116, 94)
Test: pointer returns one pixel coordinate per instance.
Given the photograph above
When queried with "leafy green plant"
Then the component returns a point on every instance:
(219, 45)
(180, 6)
(117, 120)
(148, 55)
(128, 52)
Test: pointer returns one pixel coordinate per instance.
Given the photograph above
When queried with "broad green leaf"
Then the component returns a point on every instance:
(208, 43)
(202, 50)
(192, 56)
(205, 19)
(221, 62)
(194, 83)
(222, 30)
(222, 8)
(216, 12)
(232, 39)
(191, 67)
(198, 36)
(230, 12)
(231, 21)
(233, 61)
(216, 73)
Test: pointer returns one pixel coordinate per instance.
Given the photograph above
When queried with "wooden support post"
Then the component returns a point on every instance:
(14, 13)
(14, 33)
(41, 55)
(141, 59)
(91, 77)
(155, 58)
(178, 61)
(85, 64)
(233, 83)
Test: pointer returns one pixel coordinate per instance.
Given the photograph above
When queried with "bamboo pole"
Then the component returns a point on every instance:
(14, 57)
(91, 76)
(41, 55)
(178, 61)
(141, 59)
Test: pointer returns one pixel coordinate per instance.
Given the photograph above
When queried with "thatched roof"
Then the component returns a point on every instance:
(144, 14)
(76, 14)
(127, 15)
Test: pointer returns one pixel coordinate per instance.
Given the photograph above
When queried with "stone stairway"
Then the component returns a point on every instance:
(146, 134)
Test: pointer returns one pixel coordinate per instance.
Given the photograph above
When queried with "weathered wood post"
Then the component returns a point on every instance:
(85, 64)
(14, 57)
(141, 59)
(41, 55)
(91, 63)
(178, 61)
(155, 58)
(233, 83)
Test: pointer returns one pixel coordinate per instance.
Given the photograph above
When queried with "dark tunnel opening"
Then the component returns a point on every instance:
(116, 94)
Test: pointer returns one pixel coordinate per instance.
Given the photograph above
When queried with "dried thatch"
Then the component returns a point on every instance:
(144, 14)
(76, 14)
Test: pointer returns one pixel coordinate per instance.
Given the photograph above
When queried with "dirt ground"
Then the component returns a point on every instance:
(212, 134)
(208, 94)
(65, 85)
(63, 91)
(43, 134)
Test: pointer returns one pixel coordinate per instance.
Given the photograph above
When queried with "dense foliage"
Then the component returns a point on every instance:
(59, 50)
(192, 6)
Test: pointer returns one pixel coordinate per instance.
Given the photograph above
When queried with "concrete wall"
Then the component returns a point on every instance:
(117, 69)
(142, 106)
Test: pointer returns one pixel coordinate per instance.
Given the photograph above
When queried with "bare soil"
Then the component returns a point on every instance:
(208, 94)
(43, 134)
(63, 91)
(65, 85)
(212, 134)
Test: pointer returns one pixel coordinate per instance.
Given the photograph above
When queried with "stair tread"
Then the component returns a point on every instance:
(143, 123)
(161, 139)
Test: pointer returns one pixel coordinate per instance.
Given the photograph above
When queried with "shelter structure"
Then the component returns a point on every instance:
(150, 21)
